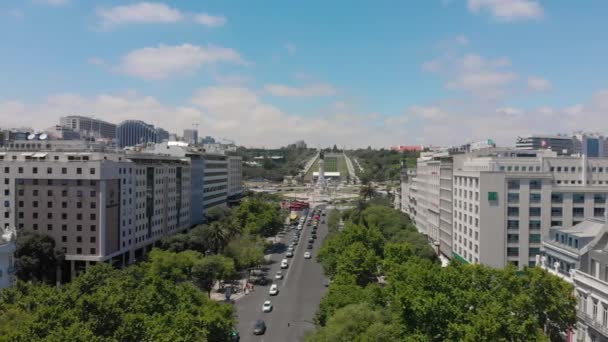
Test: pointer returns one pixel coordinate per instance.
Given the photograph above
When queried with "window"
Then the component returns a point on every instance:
(534, 211)
(598, 212)
(534, 225)
(604, 316)
(93, 217)
(556, 212)
(513, 185)
(578, 212)
(92, 239)
(49, 170)
(64, 238)
(49, 227)
(64, 170)
(78, 227)
(64, 204)
(533, 252)
(93, 227)
(513, 238)
(49, 215)
(78, 171)
(79, 239)
(512, 251)
(34, 170)
(512, 224)
(535, 198)
(578, 198)
(79, 216)
(20, 170)
(49, 192)
(93, 251)
(513, 211)
(535, 184)
(78, 250)
(557, 197)
(93, 193)
(594, 310)
(64, 227)
(513, 197)
(534, 238)
(79, 205)
(599, 198)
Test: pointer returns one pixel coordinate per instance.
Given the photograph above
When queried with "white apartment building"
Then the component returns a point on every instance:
(215, 188)
(505, 201)
(97, 204)
(579, 256)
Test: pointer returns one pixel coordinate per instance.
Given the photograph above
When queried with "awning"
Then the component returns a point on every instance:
(27, 154)
(39, 155)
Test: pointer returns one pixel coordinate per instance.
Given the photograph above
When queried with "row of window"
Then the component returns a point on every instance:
(466, 181)
(532, 238)
(64, 227)
(532, 224)
(49, 170)
(520, 168)
(64, 216)
(514, 251)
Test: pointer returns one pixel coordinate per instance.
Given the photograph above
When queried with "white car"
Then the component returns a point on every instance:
(289, 254)
(274, 290)
(278, 275)
(284, 263)
(267, 307)
(307, 255)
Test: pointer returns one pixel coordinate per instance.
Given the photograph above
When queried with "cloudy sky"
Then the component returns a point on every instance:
(353, 73)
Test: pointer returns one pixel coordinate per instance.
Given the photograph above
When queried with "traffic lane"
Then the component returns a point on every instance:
(249, 307)
(301, 295)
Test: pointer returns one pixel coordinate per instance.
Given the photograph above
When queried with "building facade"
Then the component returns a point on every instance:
(579, 255)
(191, 136)
(89, 127)
(592, 145)
(134, 132)
(99, 205)
(235, 177)
(562, 145)
(215, 180)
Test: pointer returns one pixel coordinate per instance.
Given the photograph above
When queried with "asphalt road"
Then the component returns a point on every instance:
(300, 292)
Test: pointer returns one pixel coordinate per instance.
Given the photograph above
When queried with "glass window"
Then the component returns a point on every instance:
(534, 238)
(598, 212)
(534, 211)
(599, 198)
(513, 211)
(578, 198)
(578, 212)
(513, 238)
(512, 224)
(513, 197)
(512, 251)
(557, 197)
(535, 198)
(513, 184)
(533, 251)
(535, 184)
(556, 212)
(534, 225)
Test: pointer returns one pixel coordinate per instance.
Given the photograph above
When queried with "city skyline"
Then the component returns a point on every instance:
(270, 75)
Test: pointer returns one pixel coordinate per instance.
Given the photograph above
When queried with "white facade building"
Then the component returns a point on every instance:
(235, 176)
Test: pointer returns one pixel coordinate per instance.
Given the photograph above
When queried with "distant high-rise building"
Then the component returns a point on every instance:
(191, 136)
(592, 145)
(133, 132)
(63, 133)
(208, 140)
(561, 144)
(89, 127)
(161, 135)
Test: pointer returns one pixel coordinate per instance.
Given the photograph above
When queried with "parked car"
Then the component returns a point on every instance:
(267, 307)
(311, 240)
(274, 290)
(284, 263)
(307, 255)
(314, 236)
(259, 328)
(278, 275)
(309, 246)
(289, 254)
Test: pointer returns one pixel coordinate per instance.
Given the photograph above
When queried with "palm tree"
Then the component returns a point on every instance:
(367, 191)
(216, 237)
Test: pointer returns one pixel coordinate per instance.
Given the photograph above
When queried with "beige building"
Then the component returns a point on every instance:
(99, 205)
(235, 177)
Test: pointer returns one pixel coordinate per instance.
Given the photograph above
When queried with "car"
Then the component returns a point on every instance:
(323, 222)
(309, 246)
(307, 255)
(234, 336)
(278, 275)
(323, 214)
(290, 249)
(259, 328)
(284, 263)
(311, 240)
(289, 254)
(274, 290)
(267, 307)
(314, 236)
(294, 242)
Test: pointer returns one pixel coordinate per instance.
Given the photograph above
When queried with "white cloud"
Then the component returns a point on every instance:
(96, 61)
(313, 90)
(508, 10)
(210, 20)
(53, 2)
(538, 84)
(462, 39)
(432, 112)
(291, 48)
(434, 65)
(142, 12)
(154, 63)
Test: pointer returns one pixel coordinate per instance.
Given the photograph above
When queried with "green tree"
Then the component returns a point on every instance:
(37, 258)
(367, 191)
(212, 269)
(247, 251)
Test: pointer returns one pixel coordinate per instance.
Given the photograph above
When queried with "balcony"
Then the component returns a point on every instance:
(589, 321)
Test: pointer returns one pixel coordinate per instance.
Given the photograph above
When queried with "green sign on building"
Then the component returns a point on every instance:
(492, 196)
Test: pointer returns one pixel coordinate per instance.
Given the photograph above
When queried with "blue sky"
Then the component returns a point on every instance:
(354, 73)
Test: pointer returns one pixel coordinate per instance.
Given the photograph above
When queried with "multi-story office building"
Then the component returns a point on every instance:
(504, 201)
(89, 127)
(135, 132)
(561, 144)
(235, 177)
(98, 204)
(579, 255)
(7, 260)
(593, 145)
(191, 136)
(215, 186)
